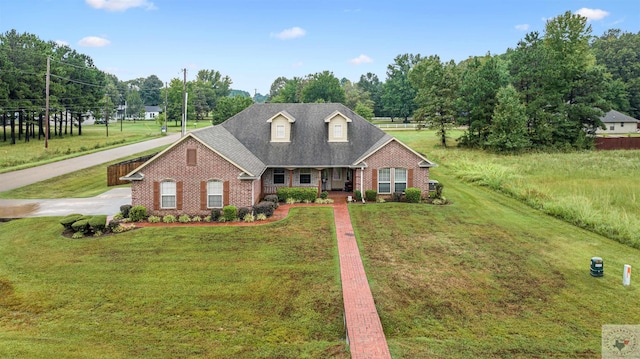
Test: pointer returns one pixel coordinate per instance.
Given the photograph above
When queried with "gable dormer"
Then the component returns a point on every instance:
(338, 127)
(281, 126)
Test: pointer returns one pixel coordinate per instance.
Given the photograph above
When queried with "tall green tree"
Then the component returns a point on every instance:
(323, 87)
(135, 106)
(481, 80)
(577, 85)
(508, 131)
(437, 85)
(370, 83)
(290, 91)
(150, 91)
(398, 93)
(229, 106)
(355, 95)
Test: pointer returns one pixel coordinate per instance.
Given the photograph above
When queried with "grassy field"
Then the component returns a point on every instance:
(596, 190)
(268, 291)
(94, 138)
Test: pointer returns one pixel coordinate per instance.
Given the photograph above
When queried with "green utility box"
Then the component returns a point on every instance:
(597, 267)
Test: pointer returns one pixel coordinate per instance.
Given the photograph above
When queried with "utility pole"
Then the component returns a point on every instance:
(46, 110)
(106, 112)
(184, 103)
(166, 91)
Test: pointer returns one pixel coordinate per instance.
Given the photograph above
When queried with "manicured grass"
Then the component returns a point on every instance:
(267, 291)
(88, 182)
(596, 190)
(94, 138)
(490, 277)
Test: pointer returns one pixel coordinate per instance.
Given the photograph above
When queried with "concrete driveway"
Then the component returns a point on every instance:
(107, 203)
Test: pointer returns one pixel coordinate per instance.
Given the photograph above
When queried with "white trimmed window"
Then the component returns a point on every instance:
(337, 131)
(400, 180)
(279, 131)
(384, 180)
(305, 176)
(214, 194)
(168, 194)
(278, 176)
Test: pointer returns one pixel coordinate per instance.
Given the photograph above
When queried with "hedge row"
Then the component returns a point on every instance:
(300, 194)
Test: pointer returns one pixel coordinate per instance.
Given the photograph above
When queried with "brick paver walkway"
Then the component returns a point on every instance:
(364, 330)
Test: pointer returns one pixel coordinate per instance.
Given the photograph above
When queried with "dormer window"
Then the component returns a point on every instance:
(281, 126)
(338, 127)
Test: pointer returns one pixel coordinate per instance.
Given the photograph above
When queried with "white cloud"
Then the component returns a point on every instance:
(61, 43)
(120, 5)
(362, 59)
(289, 34)
(522, 27)
(93, 41)
(592, 14)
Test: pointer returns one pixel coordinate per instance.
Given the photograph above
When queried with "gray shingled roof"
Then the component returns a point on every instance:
(218, 138)
(615, 116)
(309, 133)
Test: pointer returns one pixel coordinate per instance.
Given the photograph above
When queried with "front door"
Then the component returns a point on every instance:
(337, 179)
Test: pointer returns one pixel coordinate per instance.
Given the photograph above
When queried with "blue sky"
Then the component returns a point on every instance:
(256, 41)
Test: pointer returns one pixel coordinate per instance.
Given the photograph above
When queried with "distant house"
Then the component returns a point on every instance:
(618, 123)
(150, 113)
(325, 146)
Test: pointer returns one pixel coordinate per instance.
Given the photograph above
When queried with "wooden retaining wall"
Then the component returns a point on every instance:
(114, 172)
(618, 143)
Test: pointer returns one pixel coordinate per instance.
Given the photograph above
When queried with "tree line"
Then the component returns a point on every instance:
(548, 92)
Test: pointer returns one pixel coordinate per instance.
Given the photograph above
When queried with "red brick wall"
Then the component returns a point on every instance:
(209, 166)
(397, 156)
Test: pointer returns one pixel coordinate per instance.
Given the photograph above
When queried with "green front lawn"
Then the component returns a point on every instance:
(268, 291)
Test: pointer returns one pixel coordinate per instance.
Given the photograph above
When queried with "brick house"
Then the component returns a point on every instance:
(267, 146)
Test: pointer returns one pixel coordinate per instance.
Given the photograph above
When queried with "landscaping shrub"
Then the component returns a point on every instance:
(324, 194)
(300, 194)
(358, 195)
(124, 209)
(413, 195)
(249, 218)
(243, 211)
(396, 196)
(229, 213)
(370, 195)
(169, 218)
(68, 220)
(261, 217)
(272, 198)
(196, 219)
(154, 219)
(81, 225)
(265, 207)
(215, 214)
(98, 223)
(439, 188)
(184, 218)
(138, 213)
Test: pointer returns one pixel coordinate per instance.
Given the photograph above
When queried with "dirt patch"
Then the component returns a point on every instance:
(18, 211)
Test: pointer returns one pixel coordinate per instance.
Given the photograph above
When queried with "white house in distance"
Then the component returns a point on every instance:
(150, 113)
(618, 123)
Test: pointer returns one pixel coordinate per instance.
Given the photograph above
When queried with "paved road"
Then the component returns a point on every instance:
(107, 203)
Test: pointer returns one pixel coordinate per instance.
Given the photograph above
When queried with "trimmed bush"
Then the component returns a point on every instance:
(229, 213)
(371, 195)
(272, 198)
(98, 223)
(68, 220)
(358, 195)
(215, 214)
(243, 211)
(300, 194)
(81, 225)
(184, 218)
(196, 219)
(249, 218)
(265, 207)
(154, 219)
(124, 209)
(169, 218)
(261, 217)
(138, 213)
(413, 195)
(324, 194)
(396, 197)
